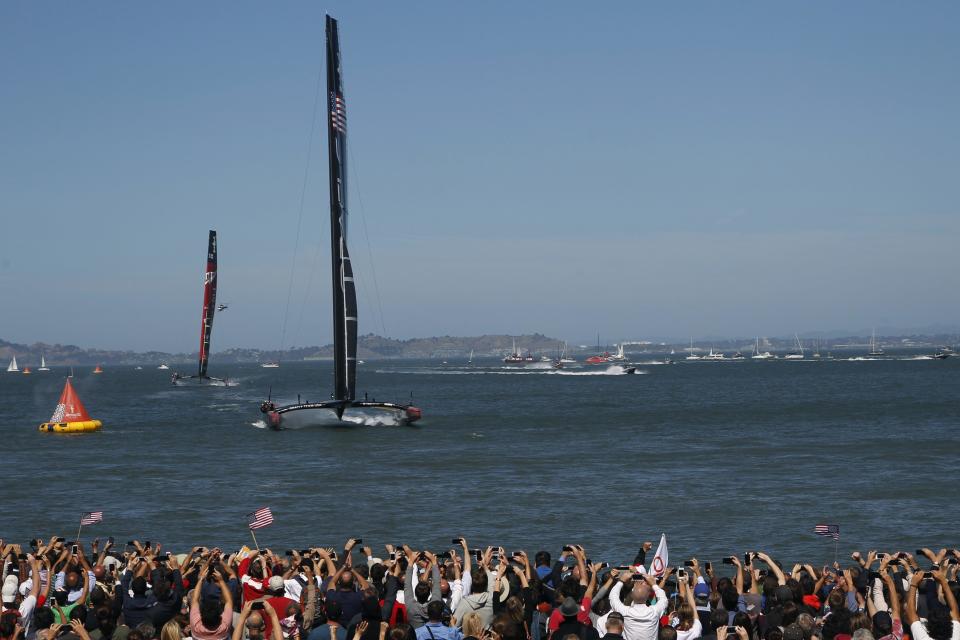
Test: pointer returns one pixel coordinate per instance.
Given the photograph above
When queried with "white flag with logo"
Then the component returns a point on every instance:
(662, 557)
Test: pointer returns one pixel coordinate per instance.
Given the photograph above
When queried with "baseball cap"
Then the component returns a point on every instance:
(569, 607)
(10, 589)
(701, 591)
(276, 583)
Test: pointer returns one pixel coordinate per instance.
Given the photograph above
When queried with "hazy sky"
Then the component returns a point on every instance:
(635, 169)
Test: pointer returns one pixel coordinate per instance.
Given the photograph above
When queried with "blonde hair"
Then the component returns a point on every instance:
(472, 625)
(171, 631)
(685, 613)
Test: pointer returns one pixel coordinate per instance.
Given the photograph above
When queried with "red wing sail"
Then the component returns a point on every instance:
(69, 408)
(209, 302)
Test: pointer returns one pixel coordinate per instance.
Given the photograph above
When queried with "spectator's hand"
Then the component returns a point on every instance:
(916, 579)
(722, 633)
(647, 546)
(736, 562)
(625, 577)
(367, 551)
(742, 633)
(351, 543)
(361, 629)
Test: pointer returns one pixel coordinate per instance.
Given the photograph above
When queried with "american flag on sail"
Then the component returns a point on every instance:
(261, 518)
(91, 517)
(828, 530)
(338, 112)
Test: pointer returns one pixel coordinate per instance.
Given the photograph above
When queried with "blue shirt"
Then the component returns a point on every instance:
(323, 633)
(438, 631)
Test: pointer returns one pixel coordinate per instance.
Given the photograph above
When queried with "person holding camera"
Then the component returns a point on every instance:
(640, 619)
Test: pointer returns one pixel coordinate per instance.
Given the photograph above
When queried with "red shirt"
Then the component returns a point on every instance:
(583, 615)
(279, 604)
(252, 587)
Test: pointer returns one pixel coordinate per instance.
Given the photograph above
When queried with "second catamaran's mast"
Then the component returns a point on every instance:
(209, 303)
(344, 290)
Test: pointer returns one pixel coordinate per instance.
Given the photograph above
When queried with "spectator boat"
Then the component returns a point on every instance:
(344, 293)
(206, 323)
(12, 367)
(43, 364)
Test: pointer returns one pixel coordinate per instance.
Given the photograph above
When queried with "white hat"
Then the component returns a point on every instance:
(276, 583)
(10, 589)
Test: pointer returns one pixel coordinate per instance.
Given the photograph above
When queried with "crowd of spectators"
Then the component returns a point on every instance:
(56, 591)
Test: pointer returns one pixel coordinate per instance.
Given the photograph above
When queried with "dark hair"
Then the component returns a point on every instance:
(542, 559)
(741, 619)
(334, 610)
(773, 633)
(79, 612)
(479, 582)
(939, 625)
(730, 597)
(882, 626)
(667, 633)
(210, 612)
(718, 618)
(806, 585)
(43, 618)
(790, 612)
(422, 592)
(435, 610)
(839, 622)
(139, 586)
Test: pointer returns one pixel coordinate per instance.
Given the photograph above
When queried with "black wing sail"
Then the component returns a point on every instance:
(344, 291)
(209, 302)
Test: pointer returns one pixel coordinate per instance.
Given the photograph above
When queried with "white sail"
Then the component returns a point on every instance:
(43, 364)
(12, 367)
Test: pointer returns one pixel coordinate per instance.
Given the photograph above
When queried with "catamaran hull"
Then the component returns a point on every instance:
(325, 414)
(197, 381)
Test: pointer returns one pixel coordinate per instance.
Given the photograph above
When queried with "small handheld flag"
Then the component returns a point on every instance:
(260, 518)
(828, 530)
(91, 517)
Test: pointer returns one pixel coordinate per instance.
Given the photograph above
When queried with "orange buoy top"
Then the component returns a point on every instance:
(69, 408)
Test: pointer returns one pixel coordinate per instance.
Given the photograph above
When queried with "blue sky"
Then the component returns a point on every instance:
(629, 168)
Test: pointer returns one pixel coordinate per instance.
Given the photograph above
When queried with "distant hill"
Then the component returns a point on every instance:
(369, 346)
(374, 347)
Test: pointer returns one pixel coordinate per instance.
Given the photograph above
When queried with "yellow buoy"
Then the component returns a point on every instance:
(70, 416)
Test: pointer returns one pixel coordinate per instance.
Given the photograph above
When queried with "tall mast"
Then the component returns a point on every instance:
(209, 302)
(344, 290)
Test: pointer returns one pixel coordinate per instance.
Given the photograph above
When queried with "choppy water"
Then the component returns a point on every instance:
(720, 456)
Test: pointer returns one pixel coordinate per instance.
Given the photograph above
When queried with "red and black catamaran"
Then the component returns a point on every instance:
(343, 400)
(206, 321)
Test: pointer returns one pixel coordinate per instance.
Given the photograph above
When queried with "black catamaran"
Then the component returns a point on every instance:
(344, 291)
(206, 323)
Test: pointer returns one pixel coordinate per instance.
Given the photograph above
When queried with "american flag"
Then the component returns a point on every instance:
(92, 517)
(261, 518)
(828, 530)
(338, 112)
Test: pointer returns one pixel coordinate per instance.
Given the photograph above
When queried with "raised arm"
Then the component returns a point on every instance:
(910, 607)
(774, 567)
(941, 577)
(238, 628)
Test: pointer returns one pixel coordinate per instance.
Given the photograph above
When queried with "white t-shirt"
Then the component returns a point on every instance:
(695, 631)
(918, 631)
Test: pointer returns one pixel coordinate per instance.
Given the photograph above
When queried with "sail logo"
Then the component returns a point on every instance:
(209, 277)
(338, 113)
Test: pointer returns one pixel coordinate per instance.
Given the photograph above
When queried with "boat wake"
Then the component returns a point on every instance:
(259, 424)
(612, 370)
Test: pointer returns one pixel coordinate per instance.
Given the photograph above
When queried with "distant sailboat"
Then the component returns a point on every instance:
(796, 354)
(206, 320)
(564, 358)
(619, 355)
(43, 364)
(601, 357)
(163, 366)
(12, 367)
(874, 349)
(470, 361)
(766, 355)
(692, 355)
(270, 365)
(344, 293)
